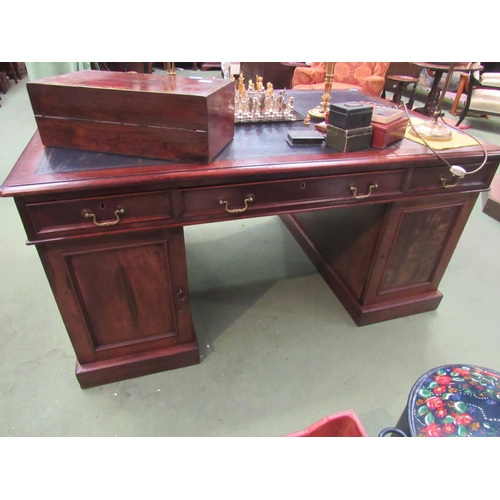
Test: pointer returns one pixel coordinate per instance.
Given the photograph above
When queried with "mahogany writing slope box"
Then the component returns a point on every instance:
(154, 116)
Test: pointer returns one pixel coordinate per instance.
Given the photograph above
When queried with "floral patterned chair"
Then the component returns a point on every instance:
(369, 77)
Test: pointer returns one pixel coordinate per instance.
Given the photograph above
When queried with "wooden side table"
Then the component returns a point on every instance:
(4, 82)
(402, 81)
(12, 68)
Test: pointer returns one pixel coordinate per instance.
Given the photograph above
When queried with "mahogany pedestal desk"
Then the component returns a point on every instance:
(378, 224)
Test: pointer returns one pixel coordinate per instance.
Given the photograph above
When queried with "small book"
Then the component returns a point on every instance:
(305, 138)
(382, 114)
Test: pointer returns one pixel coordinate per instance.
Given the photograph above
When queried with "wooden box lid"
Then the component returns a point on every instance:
(136, 98)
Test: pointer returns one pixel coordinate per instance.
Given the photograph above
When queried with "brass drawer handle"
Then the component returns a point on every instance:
(248, 199)
(88, 214)
(354, 190)
(442, 181)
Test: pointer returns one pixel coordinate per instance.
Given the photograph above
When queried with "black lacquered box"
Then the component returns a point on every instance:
(349, 115)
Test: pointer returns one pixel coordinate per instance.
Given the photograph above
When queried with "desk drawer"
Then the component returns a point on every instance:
(302, 192)
(432, 178)
(100, 213)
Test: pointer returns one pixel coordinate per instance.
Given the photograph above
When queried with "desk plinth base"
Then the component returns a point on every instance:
(368, 315)
(117, 369)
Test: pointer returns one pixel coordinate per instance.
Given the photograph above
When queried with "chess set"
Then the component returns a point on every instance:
(256, 103)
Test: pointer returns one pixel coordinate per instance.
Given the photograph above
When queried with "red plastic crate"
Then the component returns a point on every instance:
(344, 424)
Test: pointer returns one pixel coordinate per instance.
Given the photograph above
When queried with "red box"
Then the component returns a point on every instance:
(344, 424)
(387, 133)
(152, 116)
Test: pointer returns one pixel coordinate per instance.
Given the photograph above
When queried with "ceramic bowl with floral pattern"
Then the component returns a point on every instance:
(455, 400)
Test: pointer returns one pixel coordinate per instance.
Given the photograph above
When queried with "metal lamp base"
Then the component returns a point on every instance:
(432, 131)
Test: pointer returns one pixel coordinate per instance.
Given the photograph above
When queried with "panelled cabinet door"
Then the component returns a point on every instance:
(417, 243)
(121, 295)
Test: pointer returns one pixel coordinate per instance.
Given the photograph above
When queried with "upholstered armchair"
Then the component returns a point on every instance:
(369, 77)
(483, 95)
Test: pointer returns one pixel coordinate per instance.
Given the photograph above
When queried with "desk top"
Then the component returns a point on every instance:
(257, 152)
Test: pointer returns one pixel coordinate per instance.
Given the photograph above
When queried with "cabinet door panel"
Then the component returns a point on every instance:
(121, 295)
(418, 241)
(124, 292)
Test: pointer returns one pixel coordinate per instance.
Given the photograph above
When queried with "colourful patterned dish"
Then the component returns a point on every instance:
(455, 400)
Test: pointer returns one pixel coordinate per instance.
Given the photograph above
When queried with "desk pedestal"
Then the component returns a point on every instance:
(125, 303)
(384, 261)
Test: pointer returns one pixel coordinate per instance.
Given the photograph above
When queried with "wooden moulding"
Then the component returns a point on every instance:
(114, 370)
(152, 116)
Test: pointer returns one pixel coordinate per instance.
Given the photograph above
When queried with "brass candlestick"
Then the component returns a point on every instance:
(319, 112)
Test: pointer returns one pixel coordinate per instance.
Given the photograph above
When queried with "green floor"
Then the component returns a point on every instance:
(278, 350)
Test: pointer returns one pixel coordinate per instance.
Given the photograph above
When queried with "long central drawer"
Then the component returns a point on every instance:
(239, 198)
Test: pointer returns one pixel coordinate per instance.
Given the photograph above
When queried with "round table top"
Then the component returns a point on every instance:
(441, 66)
(402, 78)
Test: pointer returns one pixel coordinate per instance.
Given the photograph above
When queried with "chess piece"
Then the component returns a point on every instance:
(241, 85)
(280, 101)
(262, 101)
(259, 83)
(290, 111)
(250, 102)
